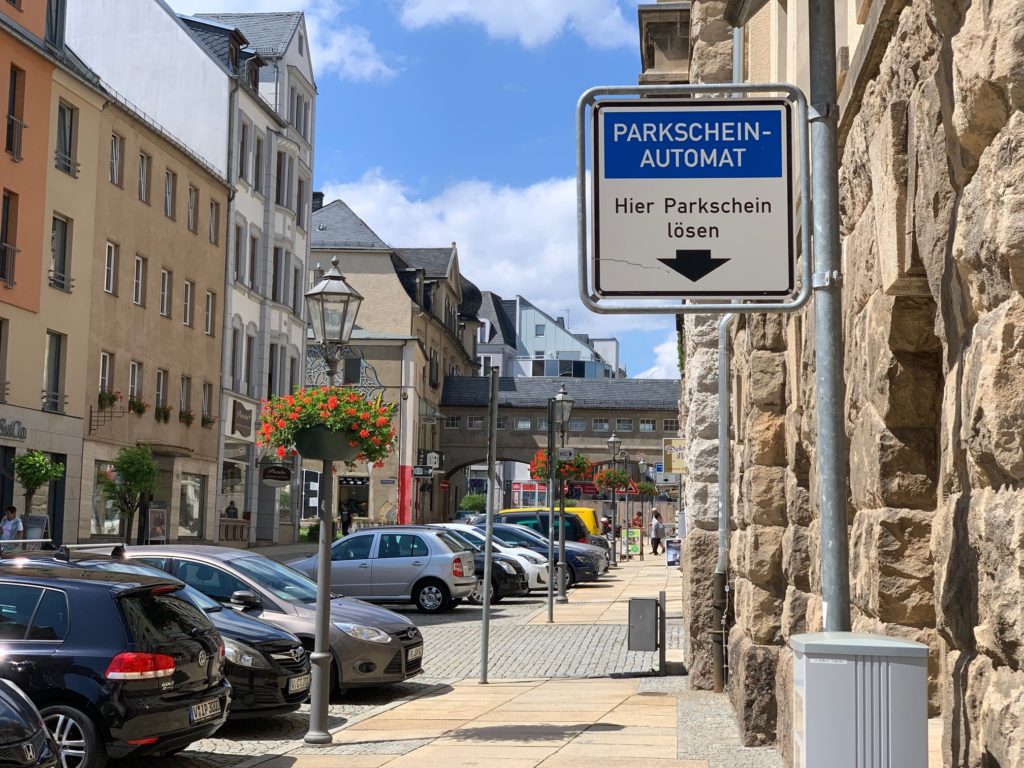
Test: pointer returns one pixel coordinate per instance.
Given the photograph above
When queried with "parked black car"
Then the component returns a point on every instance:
(584, 560)
(508, 577)
(575, 529)
(118, 664)
(24, 740)
(267, 667)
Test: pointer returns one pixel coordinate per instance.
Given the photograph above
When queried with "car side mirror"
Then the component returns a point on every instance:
(245, 598)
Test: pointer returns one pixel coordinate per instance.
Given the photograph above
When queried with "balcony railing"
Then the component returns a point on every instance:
(12, 144)
(61, 281)
(54, 401)
(65, 162)
(8, 255)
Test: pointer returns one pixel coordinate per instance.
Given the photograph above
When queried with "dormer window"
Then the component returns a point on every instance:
(254, 74)
(233, 56)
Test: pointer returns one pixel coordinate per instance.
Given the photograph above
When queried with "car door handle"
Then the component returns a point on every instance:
(364, 565)
(417, 562)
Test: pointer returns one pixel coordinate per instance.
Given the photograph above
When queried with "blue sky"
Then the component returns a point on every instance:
(453, 120)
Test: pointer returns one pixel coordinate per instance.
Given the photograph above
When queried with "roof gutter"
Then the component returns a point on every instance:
(739, 12)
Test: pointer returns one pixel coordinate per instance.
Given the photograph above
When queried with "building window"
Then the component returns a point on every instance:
(135, 380)
(193, 209)
(523, 423)
(116, 160)
(282, 169)
(161, 387)
(15, 112)
(139, 282)
(452, 422)
(257, 166)
(243, 151)
(110, 268)
(55, 22)
(300, 204)
(474, 422)
(236, 351)
(351, 370)
(577, 424)
(297, 291)
(542, 423)
(190, 289)
(214, 222)
(144, 163)
(275, 277)
(670, 425)
(170, 194)
(239, 252)
(53, 373)
(648, 425)
(192, 509)
(60, 255)
(599, 425)
(539, 330)
(250, 371)
(302, 45)
(105, 519)
(185, 394)
(254, 254)
(433, 371)
(272, 372)
(503, 422)
(207, 399)
(165, 293)
(623, 425)
(211, 304)
(8, 237)
(106, 372)
(64, 157)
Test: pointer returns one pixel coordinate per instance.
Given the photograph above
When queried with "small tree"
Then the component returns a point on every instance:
(34, 470)
(134, 479)
(474, 502)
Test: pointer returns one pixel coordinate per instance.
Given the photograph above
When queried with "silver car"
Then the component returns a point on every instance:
(400, 564)
(370, 645)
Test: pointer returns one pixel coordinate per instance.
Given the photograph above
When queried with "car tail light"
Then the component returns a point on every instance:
(583, 540)
(140, 666)
(142, 742)
(163, 590)
(457, 567)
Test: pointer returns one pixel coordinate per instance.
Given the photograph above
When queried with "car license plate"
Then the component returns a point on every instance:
(299, 683)
(204, 710)
(415, 653)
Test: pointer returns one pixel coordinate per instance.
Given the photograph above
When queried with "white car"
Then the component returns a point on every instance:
(535, 565)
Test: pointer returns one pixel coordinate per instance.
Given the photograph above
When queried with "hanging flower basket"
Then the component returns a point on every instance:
(612, 480)
(576, 468)
(335, 423)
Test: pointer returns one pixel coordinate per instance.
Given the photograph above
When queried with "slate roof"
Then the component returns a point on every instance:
(268, 33)
(212, 35)
(533, 392)
(337, 226)
(435, 262)
(503, 326)
(471, 299)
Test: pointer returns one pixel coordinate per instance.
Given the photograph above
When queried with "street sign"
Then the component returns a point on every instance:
(693, 199)
(422, 472)
(659, 467)
(666, 478)
(675, 454)
(444, 485)
(565, 454)
(432, 459)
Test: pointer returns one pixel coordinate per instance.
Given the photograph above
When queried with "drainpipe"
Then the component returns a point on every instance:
(720, 595)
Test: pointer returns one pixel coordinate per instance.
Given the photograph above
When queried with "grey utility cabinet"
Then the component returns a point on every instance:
(859, 701)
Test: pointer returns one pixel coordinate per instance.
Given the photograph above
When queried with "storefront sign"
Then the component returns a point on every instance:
(276, 475)
(12, 430)
(241, 419)
(388, 481)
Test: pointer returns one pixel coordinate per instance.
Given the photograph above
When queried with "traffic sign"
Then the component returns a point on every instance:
(675, 454)
(422, 472)
(693, 199)
(565, 454)
(444, 485)
(659, 467)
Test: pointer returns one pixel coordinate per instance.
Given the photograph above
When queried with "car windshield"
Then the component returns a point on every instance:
(466, 541)
(193, 595)
(280, 580)
(526, 534)
(481, 538)
(454, 543)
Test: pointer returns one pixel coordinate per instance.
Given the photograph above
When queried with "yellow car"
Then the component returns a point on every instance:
(586, 514)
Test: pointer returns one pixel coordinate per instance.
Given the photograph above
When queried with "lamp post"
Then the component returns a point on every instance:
(642, 464)
(333, 305)
(614, 443)
(562, 409)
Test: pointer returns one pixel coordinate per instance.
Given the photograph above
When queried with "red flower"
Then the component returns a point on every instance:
(280, 452)
(381, 421)
(350, 411)
(364, 433)
(293, 415)
(282, 423)
(364, 416)
(332, 402)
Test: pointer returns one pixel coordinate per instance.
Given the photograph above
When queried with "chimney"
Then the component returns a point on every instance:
(318, 201)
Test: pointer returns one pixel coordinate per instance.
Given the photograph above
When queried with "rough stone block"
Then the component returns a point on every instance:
(762, 545)
(702, 371)
(702, 421)
(752, 670)
(794, 613)
(702, 460)
(892, 573)
(797, 457)
(892, 468)
(758, 612)
(784, 705)
(965, 678)
(996, 524)
(767, 378)
(698, 557)
(798, 501)
(796, 557)
(766, 332)
(765, 433)
(701, 501)
(764, 496)
(956, 571)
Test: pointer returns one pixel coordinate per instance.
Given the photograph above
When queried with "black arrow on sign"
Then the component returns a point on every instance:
(693, 265)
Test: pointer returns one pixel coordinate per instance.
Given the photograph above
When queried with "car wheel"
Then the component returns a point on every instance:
(78, 742)
(496, 596)
(476, 597)
(432, 596)
(570, 576)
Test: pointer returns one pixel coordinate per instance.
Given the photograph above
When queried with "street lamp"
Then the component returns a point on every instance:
(562, 409)
(333, 305)
(614, 443)
(642, 464)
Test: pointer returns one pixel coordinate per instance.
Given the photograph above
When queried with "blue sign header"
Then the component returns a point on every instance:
(693, 144)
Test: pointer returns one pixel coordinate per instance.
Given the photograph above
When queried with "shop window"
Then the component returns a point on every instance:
(105, 520)
(192, 509)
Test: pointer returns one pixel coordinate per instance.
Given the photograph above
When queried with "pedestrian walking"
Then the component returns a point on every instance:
(347, 510)
(657, 533)
(11, 527)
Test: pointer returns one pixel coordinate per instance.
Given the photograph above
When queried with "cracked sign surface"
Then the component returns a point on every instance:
(693, 199)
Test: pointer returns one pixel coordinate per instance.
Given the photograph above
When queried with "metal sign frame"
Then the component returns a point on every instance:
(591, 100)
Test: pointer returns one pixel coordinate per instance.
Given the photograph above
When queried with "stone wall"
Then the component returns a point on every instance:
(932, 211)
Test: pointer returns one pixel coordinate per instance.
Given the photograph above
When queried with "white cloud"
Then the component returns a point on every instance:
(511, 240)
(530, 22)
(666, 360)
(334, 46)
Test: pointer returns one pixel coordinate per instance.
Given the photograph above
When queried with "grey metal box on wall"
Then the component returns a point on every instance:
(643, 624)
(859, 701)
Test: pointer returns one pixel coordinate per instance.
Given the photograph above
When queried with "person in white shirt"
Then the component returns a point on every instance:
(657, 533)
(11, 526)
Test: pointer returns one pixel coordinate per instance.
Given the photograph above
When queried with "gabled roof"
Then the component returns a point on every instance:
(436, 263)
(268, 33)
(212, 35)
(503, 326)
(533, 392)
(337, 226)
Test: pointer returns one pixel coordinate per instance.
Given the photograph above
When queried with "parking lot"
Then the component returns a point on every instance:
(588, 639)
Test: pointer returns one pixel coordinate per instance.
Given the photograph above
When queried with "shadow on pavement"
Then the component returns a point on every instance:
(527, 733)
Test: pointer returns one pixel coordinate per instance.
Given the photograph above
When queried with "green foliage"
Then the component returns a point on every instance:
(34, 470)
(612, 480)
(133, 480)
(474, 502)
(646, 489)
